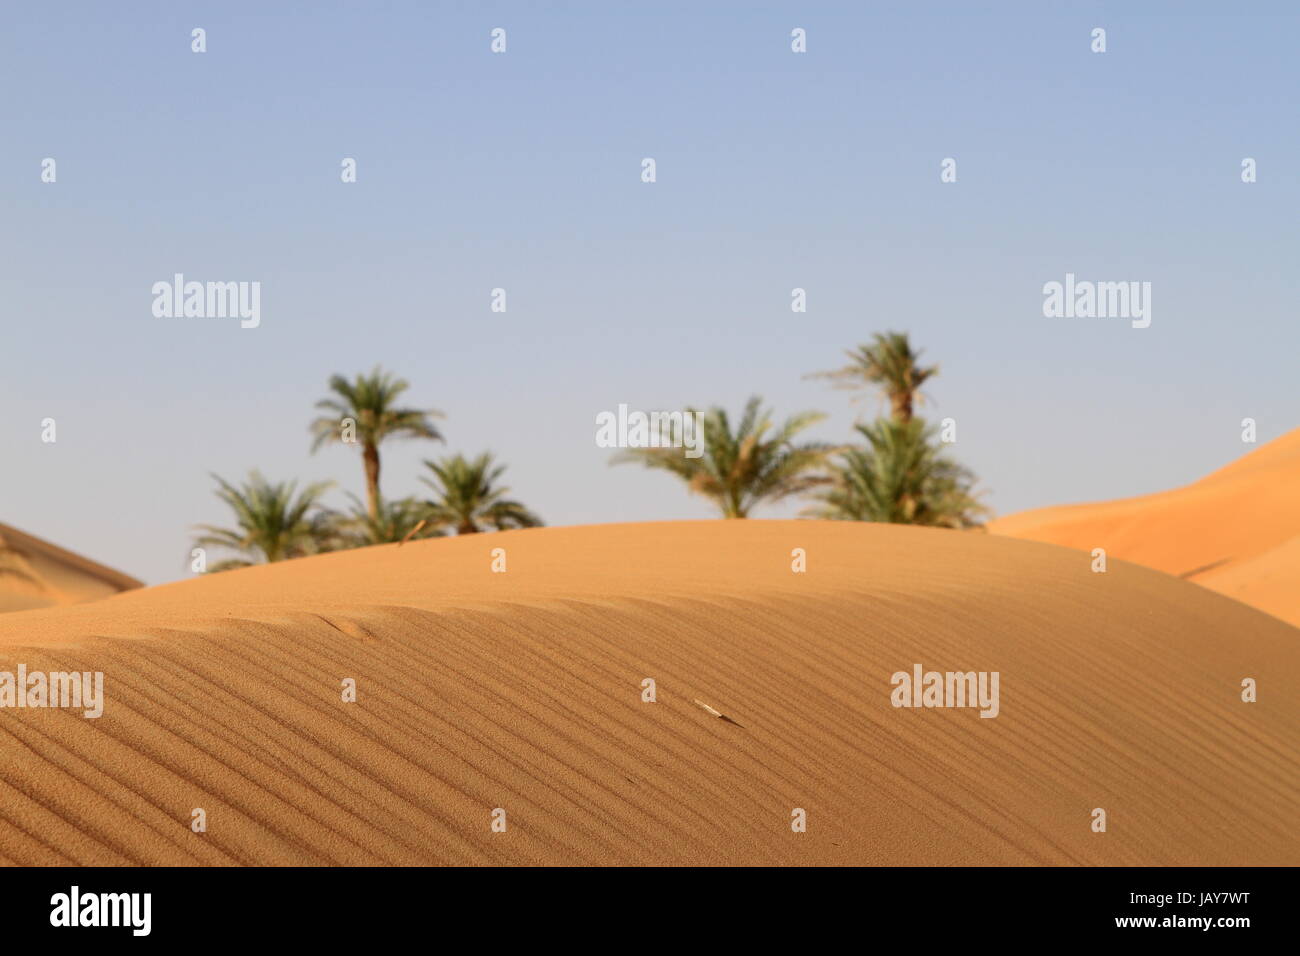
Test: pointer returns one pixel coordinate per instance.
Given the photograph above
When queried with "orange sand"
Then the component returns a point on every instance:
(51, 576)
(1236, 531)
(522, 691)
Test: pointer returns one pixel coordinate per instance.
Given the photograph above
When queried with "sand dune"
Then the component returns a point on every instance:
(1236, 531)
(49, 576)
(26, 590)
(522, 690)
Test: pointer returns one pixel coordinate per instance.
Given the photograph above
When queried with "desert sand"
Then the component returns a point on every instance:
(1236, 531)
(523, 691)
(51, 576)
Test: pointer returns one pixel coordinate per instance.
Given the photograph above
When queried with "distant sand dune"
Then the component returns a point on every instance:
(1236, 531)
(49, 575)
(522, 691)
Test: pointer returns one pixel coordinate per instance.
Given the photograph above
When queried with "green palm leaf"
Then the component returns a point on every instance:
(468, 498)
(400, 520)
(756, 462)
(890, 364)
(902, 476)
(273, 522)
(371, 402)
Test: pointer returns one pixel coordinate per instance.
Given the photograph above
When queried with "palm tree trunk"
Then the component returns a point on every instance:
(467, 527)
(370, 454)
(902, 406)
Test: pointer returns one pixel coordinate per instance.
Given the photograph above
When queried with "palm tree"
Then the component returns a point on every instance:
(271, 522)
(901, 477)
(468, 498)
(740, 469)
(371, 403)
(398, 521)
(889, 363)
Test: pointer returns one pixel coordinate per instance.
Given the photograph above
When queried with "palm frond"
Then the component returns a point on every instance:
(740, 469)
(890, 364)
(273, 522)
(901, 476)
(468, 498)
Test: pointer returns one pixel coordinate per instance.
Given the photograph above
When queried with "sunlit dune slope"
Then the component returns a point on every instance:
(522, 691)
(35, 574)
(1236, 531)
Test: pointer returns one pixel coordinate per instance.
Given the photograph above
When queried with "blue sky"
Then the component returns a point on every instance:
(522, 171)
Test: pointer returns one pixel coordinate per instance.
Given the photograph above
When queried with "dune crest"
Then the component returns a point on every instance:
(523, 691)
(48, 575)
(1236, 531)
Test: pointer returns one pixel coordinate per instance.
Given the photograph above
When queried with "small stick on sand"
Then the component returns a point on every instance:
(413, 531)
(717, 713)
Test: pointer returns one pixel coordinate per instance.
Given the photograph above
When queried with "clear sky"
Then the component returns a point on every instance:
(522, 170)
